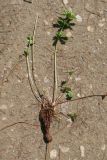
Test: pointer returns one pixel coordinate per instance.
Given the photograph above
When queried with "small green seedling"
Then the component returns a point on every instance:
(69, 15)
(59, 37)
(65, 22)
(73, 116)
(29, 41)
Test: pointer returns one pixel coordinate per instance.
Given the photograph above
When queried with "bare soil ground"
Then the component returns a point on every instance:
(85, 53)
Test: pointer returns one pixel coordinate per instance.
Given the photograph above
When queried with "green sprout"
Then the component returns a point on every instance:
(63, 24)
(67, 90)
(59, 37)
(69, 15)
(69, 95)
(63, 83)
(29, 41)
(26, 51)
(73, 116)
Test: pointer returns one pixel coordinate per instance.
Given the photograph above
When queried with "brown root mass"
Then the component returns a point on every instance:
(45, 117)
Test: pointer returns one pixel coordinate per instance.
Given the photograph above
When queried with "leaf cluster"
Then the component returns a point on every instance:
(64, 22)
(67, 90)
(29, 43)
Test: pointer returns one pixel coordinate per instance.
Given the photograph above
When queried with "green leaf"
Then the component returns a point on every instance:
(69, 95)
(65, 89)
(59, 37)
(73, 116)
(70, 73)
(29, 41)
(69, 15)
(63, 83)
(63, 24)
(26, 52)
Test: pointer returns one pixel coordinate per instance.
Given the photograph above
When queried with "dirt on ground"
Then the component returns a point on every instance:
(84, 54)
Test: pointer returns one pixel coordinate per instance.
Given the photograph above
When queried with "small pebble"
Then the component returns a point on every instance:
(48, 33)
(46, 80)
(79, 18)
(53, 154)
(101, 24)
(19, 80)
(78, 95)
(82, 149)
(46, 22)
(4, 118)
(103, 147)
(64, 149)
(103, 20)
(12, 130)
(65, 2)
(90, 86)
(35, 75)
(100, 41)
(90, 29)
(26, 75)
(69, 34)
(3, 106)
(77, 78)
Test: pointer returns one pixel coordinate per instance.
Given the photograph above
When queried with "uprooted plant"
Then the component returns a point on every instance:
(47, 110)
(48, 107)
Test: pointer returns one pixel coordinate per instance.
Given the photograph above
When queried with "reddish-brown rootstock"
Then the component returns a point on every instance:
(45, 118)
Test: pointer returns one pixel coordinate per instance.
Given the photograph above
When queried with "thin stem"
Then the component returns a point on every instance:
(32, 55)
(20, 122)
(55, 77)
(31, 81)
(89, 96)
(46, 151)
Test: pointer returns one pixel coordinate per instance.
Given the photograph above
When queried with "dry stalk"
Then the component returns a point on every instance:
(31, 80)
(13, 124)
(32, 55)
(55, 77)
